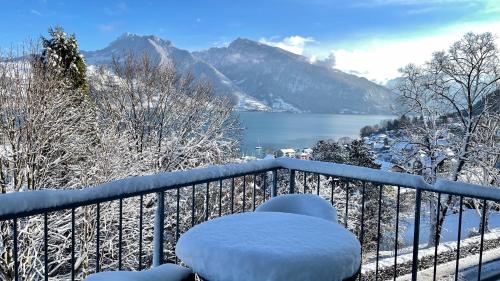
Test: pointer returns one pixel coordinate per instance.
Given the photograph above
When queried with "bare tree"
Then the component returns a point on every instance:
(453, 95)
(136, 118)
(166, 120)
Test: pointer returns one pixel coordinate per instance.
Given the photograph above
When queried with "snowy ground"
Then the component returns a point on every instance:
(446, 253)
(467, 270)
(446, 249)
(470, 222)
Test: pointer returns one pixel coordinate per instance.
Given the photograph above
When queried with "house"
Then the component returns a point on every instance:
(306, 154)
(398, 169)
(285, 152)
(308, 151)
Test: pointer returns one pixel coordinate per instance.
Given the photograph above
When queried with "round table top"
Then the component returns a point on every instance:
(270, 246)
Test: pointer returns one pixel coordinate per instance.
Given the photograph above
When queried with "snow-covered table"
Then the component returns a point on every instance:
(266, 246)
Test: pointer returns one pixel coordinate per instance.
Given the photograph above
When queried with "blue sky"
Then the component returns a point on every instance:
(348, 30)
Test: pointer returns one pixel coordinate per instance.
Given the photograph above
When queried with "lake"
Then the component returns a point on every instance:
(272, 131)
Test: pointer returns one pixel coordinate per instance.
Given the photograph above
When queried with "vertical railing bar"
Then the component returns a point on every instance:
(140, 230)
(318, 185)
(177, 211)
(292, 182)
(120, 234)
(397, 234)
(274, 191)
(16, 258)
(158, 230)
(378, 229)
(220, 198)
(346, 203)
(362, 234)
(459, 235)
(253, 193)
(436, 238)
(244, 192)
(73, 244)
(416, 234)
(98, 239)
(207, 204)
(193, 190)
(483, 223)
(232, 195)
(305, 183)
(264, 176)
(45, 247)
(331, 195)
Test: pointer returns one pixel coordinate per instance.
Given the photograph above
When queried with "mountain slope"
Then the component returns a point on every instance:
(163, 52)
(277, 77)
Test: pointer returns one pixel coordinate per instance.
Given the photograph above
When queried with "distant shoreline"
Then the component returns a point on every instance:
(276, 130)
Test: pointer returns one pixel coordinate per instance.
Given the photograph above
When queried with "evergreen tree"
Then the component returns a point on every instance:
(61, 54)
(355, 153)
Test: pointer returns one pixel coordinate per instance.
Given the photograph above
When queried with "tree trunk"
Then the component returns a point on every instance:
(432, 223)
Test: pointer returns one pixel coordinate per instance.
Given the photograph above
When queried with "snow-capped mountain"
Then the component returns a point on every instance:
(275, 76)
(162, 52)
(259, 77)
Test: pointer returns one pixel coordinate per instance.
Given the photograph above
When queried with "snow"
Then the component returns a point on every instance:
(279, 105)
(355, 172)
(248, 103)
(467, 268)
(406, 254)
(259, 246)
(470, 222)
(303, 204)
(467, 189)
(166, 272)
(21, 202)
(384, 165)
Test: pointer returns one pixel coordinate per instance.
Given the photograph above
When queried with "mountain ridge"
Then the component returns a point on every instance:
(258, 77)
(163, 52)
(269, 73)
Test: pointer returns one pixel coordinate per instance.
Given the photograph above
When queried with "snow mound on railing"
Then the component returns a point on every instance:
(467, 189)
(354, 172)
(21, 202)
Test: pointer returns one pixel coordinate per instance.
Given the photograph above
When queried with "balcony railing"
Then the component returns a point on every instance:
(134, 223)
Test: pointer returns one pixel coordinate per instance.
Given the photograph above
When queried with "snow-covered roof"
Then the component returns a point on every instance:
(402, 145)
(287, 150)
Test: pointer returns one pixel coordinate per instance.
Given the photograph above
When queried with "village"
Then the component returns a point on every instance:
(389, 150)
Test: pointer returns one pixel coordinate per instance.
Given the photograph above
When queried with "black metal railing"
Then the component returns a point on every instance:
(145, 216)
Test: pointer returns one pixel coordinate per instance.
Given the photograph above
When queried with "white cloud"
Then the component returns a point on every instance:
(106, 27)
(369, 3)
(379, 58)
(328, 62)
(35, 12)
(117, 9)
(294, 44)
